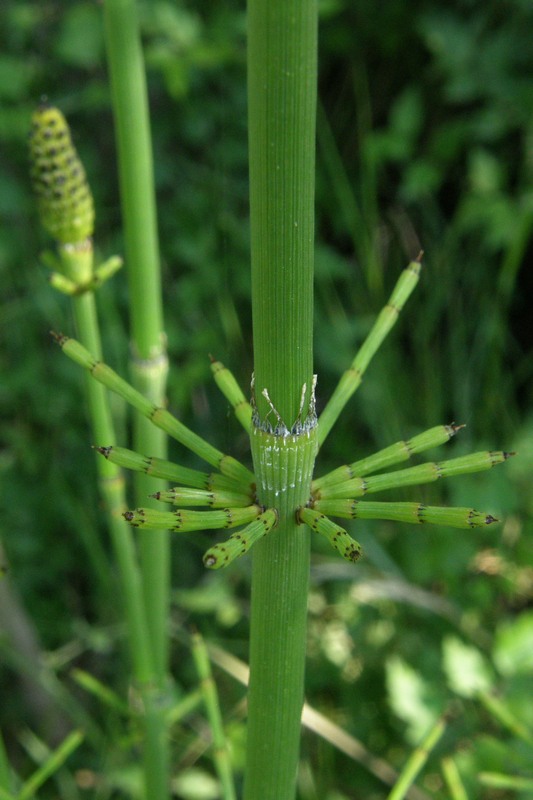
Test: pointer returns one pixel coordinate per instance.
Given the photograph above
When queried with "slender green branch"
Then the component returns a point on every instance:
(453, 780)
(222, 554)
(55, 760)
(353, 376)
(513, 783)
(414, 513)
(339, 539)
(158, 416)
(212, 706)
(184, 521)
(160, 468)
(233, 393)
(505, 716)
(200, 497)
(412, 476)
(417, 760)
(393, 454)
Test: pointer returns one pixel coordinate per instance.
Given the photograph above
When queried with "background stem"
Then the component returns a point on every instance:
(149, 365)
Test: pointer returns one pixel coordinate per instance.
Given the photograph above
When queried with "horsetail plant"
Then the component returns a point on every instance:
(280, 501)
(148, 358)
(66, 210)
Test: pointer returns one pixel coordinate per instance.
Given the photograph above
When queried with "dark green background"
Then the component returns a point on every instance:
(425, 140)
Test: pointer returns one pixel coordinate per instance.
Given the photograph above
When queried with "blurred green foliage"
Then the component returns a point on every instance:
(425, 141)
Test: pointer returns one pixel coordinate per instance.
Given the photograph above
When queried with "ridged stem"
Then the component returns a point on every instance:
(149, 364)
(281, 109)
(282, 101)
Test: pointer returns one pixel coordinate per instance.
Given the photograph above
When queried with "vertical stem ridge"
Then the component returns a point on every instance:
(280, 576)
(282, 107)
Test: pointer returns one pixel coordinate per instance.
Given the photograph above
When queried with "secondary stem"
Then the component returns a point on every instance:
(149, 363)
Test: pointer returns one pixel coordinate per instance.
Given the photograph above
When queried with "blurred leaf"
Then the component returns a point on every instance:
(513, 648)
(467, 671)
(196, 784)
(409, 697)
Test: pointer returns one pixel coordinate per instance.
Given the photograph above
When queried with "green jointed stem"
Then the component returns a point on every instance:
(412, 476)
(351, 379)
(415, 513)
(186, 521)
(282, 51)
(200, 497)
(222, 554)
(157, 415)
(394, 454)
(282, 108)
(233, 393)
(155, 467)
(338, 538)
(149, 364)
(167, 470)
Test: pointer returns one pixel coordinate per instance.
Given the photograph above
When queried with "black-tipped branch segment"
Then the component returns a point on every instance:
(394, 454)
(413, 513)
(222, 554)
(412, 476)
(185, 521)
(167, 470)
(351, 379)
(200, 497)
(233, 393)
(338, 538)
(160, 417)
